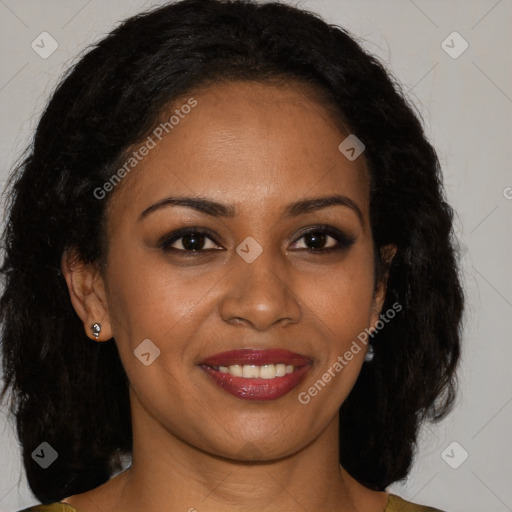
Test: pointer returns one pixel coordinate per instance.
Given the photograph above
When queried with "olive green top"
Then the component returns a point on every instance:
(395, 504)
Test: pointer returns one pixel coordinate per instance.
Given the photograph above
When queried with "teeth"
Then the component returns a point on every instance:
(267, 371)
(235, 370)
(251, 371)
(280, 370)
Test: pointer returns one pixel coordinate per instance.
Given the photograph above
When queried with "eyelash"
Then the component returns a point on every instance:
(343, 241)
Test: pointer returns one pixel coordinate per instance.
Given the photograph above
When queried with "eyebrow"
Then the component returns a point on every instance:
(215, 209)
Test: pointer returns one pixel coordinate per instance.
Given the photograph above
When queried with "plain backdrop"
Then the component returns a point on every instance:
(466, 106)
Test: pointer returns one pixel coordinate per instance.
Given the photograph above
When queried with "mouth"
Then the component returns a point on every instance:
(257, 374)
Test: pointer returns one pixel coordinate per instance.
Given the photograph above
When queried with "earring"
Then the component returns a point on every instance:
(96, 328)
(369, 354)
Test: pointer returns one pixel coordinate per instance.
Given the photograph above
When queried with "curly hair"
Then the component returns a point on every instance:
(73, 394)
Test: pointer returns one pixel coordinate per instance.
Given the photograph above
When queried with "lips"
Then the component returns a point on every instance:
(234, 371)
(256, 357)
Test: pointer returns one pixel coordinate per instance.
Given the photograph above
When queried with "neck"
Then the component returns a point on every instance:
(168, 474)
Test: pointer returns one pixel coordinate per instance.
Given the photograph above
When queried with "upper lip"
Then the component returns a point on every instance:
(256, 357)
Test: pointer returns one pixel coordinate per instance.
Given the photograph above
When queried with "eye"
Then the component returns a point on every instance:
(316, 238)
(189, 241)
(194, 241)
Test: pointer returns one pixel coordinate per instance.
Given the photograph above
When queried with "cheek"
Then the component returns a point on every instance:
(148, 300)
(342, 308)
(148, 297)
(342, 297)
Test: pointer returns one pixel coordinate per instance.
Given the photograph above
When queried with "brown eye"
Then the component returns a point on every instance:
(191, 240)
(315, 239)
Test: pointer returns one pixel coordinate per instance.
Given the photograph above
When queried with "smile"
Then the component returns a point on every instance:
(257, 374)
(250, 371)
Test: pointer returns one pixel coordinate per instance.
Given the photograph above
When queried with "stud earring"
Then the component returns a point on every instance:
(96, 328)
(368, 358)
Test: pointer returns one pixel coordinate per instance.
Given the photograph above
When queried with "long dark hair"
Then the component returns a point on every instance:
(73, 393)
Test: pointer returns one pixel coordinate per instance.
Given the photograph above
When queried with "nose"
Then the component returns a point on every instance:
(260, 294)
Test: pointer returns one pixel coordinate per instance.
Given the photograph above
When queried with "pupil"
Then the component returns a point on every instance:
(316, 238)
(192, 242)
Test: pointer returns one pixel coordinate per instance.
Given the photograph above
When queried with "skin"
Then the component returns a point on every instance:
(258, 147)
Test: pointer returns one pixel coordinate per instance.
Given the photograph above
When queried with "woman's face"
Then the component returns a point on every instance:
(254, 150)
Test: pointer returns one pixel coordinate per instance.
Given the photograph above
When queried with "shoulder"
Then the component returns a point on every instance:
(51, 507)
(397, 504)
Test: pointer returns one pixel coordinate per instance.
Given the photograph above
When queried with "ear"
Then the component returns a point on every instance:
(87, 292)
(387, 253)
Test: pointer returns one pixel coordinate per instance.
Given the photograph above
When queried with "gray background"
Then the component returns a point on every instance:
(466, 104)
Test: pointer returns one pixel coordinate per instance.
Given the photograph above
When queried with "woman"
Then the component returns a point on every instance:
(228, 255)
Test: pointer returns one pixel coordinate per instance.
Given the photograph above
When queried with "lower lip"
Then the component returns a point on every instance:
(257, 389)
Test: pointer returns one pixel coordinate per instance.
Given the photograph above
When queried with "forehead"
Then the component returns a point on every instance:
(248, 143)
